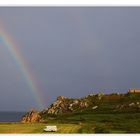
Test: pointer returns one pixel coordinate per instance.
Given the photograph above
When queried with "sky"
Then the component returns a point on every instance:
(70, 52)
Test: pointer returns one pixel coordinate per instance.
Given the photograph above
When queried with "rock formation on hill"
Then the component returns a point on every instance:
(31, 117)
(65, 105)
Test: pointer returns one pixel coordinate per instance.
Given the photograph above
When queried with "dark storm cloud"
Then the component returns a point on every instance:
(71, 52)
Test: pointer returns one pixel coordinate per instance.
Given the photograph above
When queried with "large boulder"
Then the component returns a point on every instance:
(31, 117)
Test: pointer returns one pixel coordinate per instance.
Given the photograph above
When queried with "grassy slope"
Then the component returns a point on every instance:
(107, 123)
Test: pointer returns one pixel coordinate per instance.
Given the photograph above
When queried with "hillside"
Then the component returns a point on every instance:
(95, 113)
(129, 102)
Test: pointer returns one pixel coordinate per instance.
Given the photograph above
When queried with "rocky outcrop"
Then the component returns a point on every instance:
(31, 117)
(59, 106)
(64, 105)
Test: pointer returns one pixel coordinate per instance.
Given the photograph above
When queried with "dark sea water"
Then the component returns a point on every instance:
(11, 116)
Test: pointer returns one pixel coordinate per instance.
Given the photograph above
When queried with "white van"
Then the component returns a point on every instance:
(50, 128)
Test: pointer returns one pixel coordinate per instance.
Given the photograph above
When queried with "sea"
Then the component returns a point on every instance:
(11, 116)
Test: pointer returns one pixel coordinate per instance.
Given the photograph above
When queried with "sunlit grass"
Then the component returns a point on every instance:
(18, 128)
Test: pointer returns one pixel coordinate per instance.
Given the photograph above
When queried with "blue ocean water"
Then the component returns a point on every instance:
(11, 116)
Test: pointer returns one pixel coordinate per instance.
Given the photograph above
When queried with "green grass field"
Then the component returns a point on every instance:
(21, 128)
(18, 128)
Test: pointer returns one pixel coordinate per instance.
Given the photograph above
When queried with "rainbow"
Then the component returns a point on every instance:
(22, 64)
